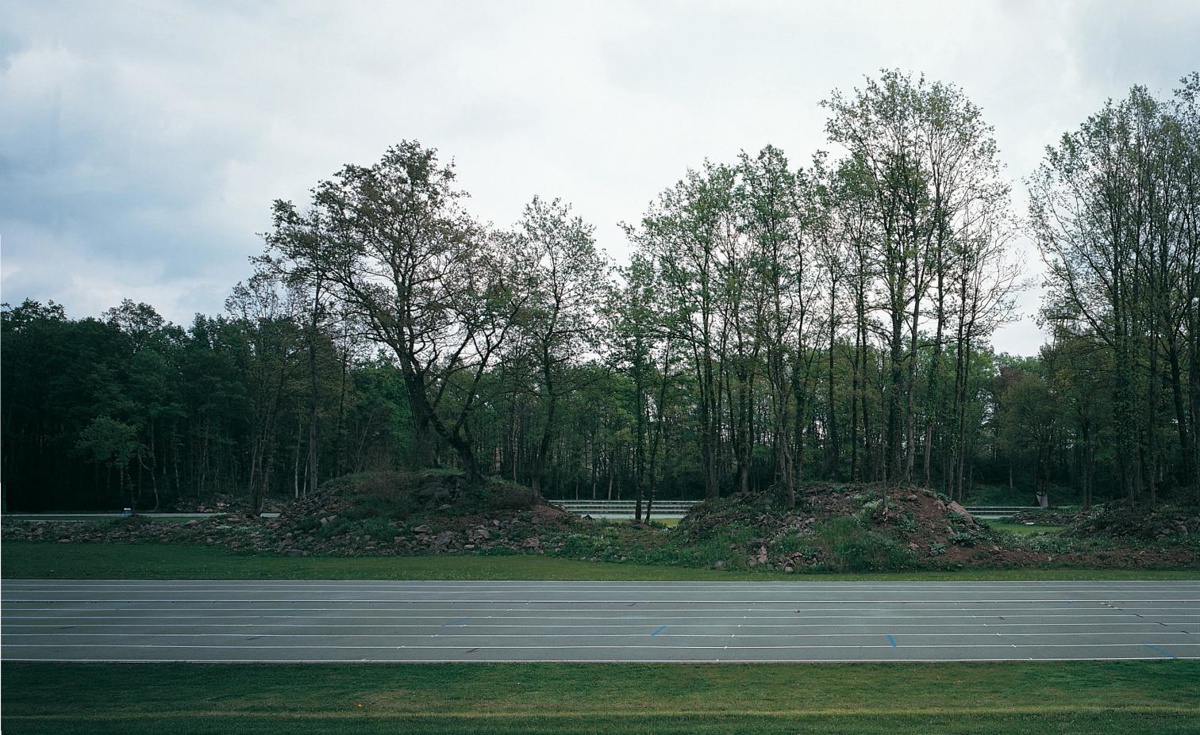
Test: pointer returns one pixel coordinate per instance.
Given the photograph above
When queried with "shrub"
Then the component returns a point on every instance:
(336, 527)
(379, 529)
(856, 549)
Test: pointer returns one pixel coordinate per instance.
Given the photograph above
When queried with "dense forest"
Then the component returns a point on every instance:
(775, 324)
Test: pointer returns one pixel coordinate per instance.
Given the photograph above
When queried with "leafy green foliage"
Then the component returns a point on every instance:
(855, 548)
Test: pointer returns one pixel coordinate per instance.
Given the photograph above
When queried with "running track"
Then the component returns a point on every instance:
(211, 621)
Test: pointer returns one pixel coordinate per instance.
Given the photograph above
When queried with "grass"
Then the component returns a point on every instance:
(1116, 697)
(89, 518)
(1022, 529)
(37, 560)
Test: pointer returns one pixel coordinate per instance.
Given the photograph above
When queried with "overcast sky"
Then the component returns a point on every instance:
(142, 143)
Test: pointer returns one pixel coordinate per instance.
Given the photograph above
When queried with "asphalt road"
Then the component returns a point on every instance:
(596, 621)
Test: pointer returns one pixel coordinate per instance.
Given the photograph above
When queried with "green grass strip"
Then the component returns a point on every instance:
(1021, 529)
(1093, 697)
(35, 560)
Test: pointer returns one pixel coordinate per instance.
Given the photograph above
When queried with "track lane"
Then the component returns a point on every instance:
(592, 621)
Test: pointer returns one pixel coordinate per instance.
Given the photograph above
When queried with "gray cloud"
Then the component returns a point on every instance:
(142, 143)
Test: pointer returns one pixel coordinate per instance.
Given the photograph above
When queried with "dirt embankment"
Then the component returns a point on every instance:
(834, 527)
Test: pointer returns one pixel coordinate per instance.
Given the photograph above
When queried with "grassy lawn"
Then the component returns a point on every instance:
(33, 560)
(1076, 697)
(1022, 529)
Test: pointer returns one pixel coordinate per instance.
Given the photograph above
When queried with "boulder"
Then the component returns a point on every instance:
(957, 509)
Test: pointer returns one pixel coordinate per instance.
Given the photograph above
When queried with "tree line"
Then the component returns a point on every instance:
(775, 324)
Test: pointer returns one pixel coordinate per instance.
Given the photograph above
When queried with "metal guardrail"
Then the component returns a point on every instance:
(625, 508)
(997, 512)
(621, 503)
(600, 508)
(681, 507)
(96, 516)
(998, 508)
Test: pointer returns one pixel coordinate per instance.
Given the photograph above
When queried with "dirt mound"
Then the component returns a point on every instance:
(833, 528)
(372, 514)
(837, 528)
(1124, 520)
(417, 513)
(860, 528)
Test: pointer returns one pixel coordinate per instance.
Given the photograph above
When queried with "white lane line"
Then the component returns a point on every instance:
(71, 613)
(658, 608)
(8, 599)
(648, 646)
(679, 613)
(1140, 635)
(489, 625)
(477, 658)
(335, 606)
(807, 582)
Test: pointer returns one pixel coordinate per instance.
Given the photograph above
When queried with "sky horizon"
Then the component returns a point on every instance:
(142, 143)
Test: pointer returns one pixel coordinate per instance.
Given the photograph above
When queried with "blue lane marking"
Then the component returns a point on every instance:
(660, 629)
(891, 640)
(456, 622)
(1156, 649)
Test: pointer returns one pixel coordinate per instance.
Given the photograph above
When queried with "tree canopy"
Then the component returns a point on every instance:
(775, 324)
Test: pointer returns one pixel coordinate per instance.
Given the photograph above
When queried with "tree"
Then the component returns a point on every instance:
(880, 127)
(778, 219)
(565, 281)
(852, 230)
(1078, 371)
(923, 165)
(110, 443)
(154, 404)
(1031, 422)
(270, 342)
(683, 232)
(37, 408)
(1114, 206)
(394, 245)
(641, 347)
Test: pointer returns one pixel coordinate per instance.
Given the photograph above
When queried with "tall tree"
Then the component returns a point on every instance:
(565, 280)
(637, 338)
(393, 243)
(270, 341)
(926, 163)
(881, 128)
(683, 232)
(1113, 207)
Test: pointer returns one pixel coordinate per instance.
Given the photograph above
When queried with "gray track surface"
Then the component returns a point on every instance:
(596, 621)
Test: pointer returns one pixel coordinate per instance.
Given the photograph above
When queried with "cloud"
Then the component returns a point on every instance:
(141, 143)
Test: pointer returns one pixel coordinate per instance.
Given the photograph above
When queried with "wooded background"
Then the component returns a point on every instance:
(775, 324)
